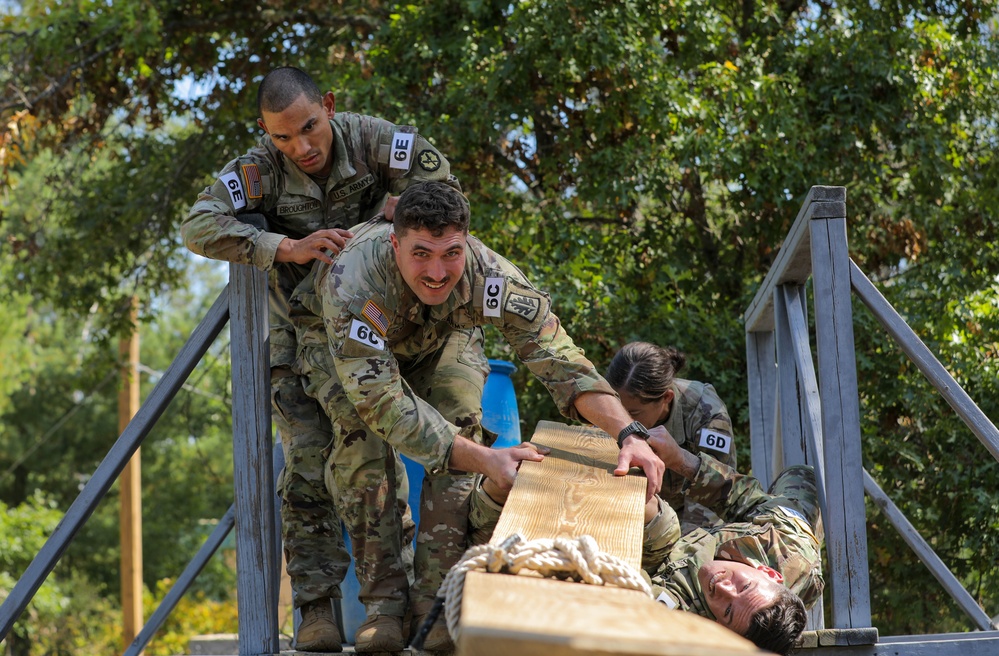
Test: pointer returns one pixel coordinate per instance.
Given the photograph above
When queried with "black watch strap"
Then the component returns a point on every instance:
(634, 428)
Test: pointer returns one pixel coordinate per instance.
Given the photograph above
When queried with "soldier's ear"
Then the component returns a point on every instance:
(771, 573)
(263, 126)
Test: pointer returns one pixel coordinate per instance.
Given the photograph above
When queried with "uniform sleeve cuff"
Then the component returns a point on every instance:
(265, 249)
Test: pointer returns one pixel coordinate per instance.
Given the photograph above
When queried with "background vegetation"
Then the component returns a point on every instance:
(641, 160)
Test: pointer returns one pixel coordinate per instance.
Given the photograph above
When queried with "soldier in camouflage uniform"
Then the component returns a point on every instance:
(389, 368)
(754, 574)
(644, 375)
(315, 174)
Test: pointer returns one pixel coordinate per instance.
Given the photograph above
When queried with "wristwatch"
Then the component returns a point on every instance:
(634, 428)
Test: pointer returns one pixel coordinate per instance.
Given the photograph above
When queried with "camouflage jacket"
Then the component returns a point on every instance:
(264, 181)
(699, 422)
(375, 324)
(760, 530)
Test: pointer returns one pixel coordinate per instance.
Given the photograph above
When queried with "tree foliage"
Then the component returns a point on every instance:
(640, 160)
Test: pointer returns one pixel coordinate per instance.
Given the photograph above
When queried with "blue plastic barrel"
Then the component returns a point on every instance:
(500, 415)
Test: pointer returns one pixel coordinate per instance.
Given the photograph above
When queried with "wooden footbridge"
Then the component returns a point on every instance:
(798, 413)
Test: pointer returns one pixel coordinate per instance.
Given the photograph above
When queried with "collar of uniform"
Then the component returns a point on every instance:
(342, 168)
(674, 423)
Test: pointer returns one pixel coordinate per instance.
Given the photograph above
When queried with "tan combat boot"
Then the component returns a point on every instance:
(379, 633)
(318, 630)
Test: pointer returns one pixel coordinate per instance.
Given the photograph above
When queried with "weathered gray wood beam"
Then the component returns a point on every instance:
(793, 263)
(845, 524)
(257, 570)
(112, 465)
(762, 375)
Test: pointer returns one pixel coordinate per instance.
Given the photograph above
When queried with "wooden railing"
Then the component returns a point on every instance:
(800, 414)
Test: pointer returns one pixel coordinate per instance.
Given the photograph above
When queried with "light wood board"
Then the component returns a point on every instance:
(574, 492)
(505, 615)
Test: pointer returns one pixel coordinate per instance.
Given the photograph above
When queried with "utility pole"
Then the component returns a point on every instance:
(131, 487)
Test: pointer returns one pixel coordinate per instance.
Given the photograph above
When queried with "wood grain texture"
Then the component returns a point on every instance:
(529, 616)
(574, 492)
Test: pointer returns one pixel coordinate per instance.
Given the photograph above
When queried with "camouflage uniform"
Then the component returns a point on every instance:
(408, 374)
(780, 529)
(699, 422)
(263, 181)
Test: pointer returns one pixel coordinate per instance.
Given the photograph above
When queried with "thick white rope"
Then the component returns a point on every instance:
(578, 559)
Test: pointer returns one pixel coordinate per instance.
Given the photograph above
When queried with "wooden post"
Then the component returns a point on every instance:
(256, 554)
(131, 487)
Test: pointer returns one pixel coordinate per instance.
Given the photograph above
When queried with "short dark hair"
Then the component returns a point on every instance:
(433, 206)
(645, 371)
(282, 86)
(778, 626)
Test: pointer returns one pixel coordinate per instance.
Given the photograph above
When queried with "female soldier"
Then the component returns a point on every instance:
(644, 375)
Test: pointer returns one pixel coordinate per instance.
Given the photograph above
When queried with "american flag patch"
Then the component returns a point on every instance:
(252, 175)
(374, 314)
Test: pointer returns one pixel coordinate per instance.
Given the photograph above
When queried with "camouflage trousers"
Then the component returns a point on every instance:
(364, 479)
(310, 528)
(795, 488)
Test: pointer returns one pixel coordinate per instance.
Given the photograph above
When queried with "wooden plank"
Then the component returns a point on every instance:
(940, 644)
(580, 492)
(807, 382)
(530, 616)
(257, 567)
(844, 512)
(792, 430)
(573, 492)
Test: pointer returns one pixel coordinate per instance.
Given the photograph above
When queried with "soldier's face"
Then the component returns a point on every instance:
(736, 591)
(302, 132)
(650, 413)
(431, 266)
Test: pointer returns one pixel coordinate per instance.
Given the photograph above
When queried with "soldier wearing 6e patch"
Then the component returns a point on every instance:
(398, 307)
(312, 176)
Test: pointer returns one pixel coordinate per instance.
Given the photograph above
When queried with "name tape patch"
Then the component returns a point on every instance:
(235, 188)
(352, 188)
(492, 295)
(402, 151)
(715, 441)
(363, 333)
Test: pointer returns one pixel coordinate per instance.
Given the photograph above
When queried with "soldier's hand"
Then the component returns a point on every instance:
(313, 247)
(389, 209)
(636, 452)
(664, 445)
(506, 462)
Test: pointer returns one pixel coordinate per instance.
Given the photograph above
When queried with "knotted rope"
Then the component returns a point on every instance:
(577, 559)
